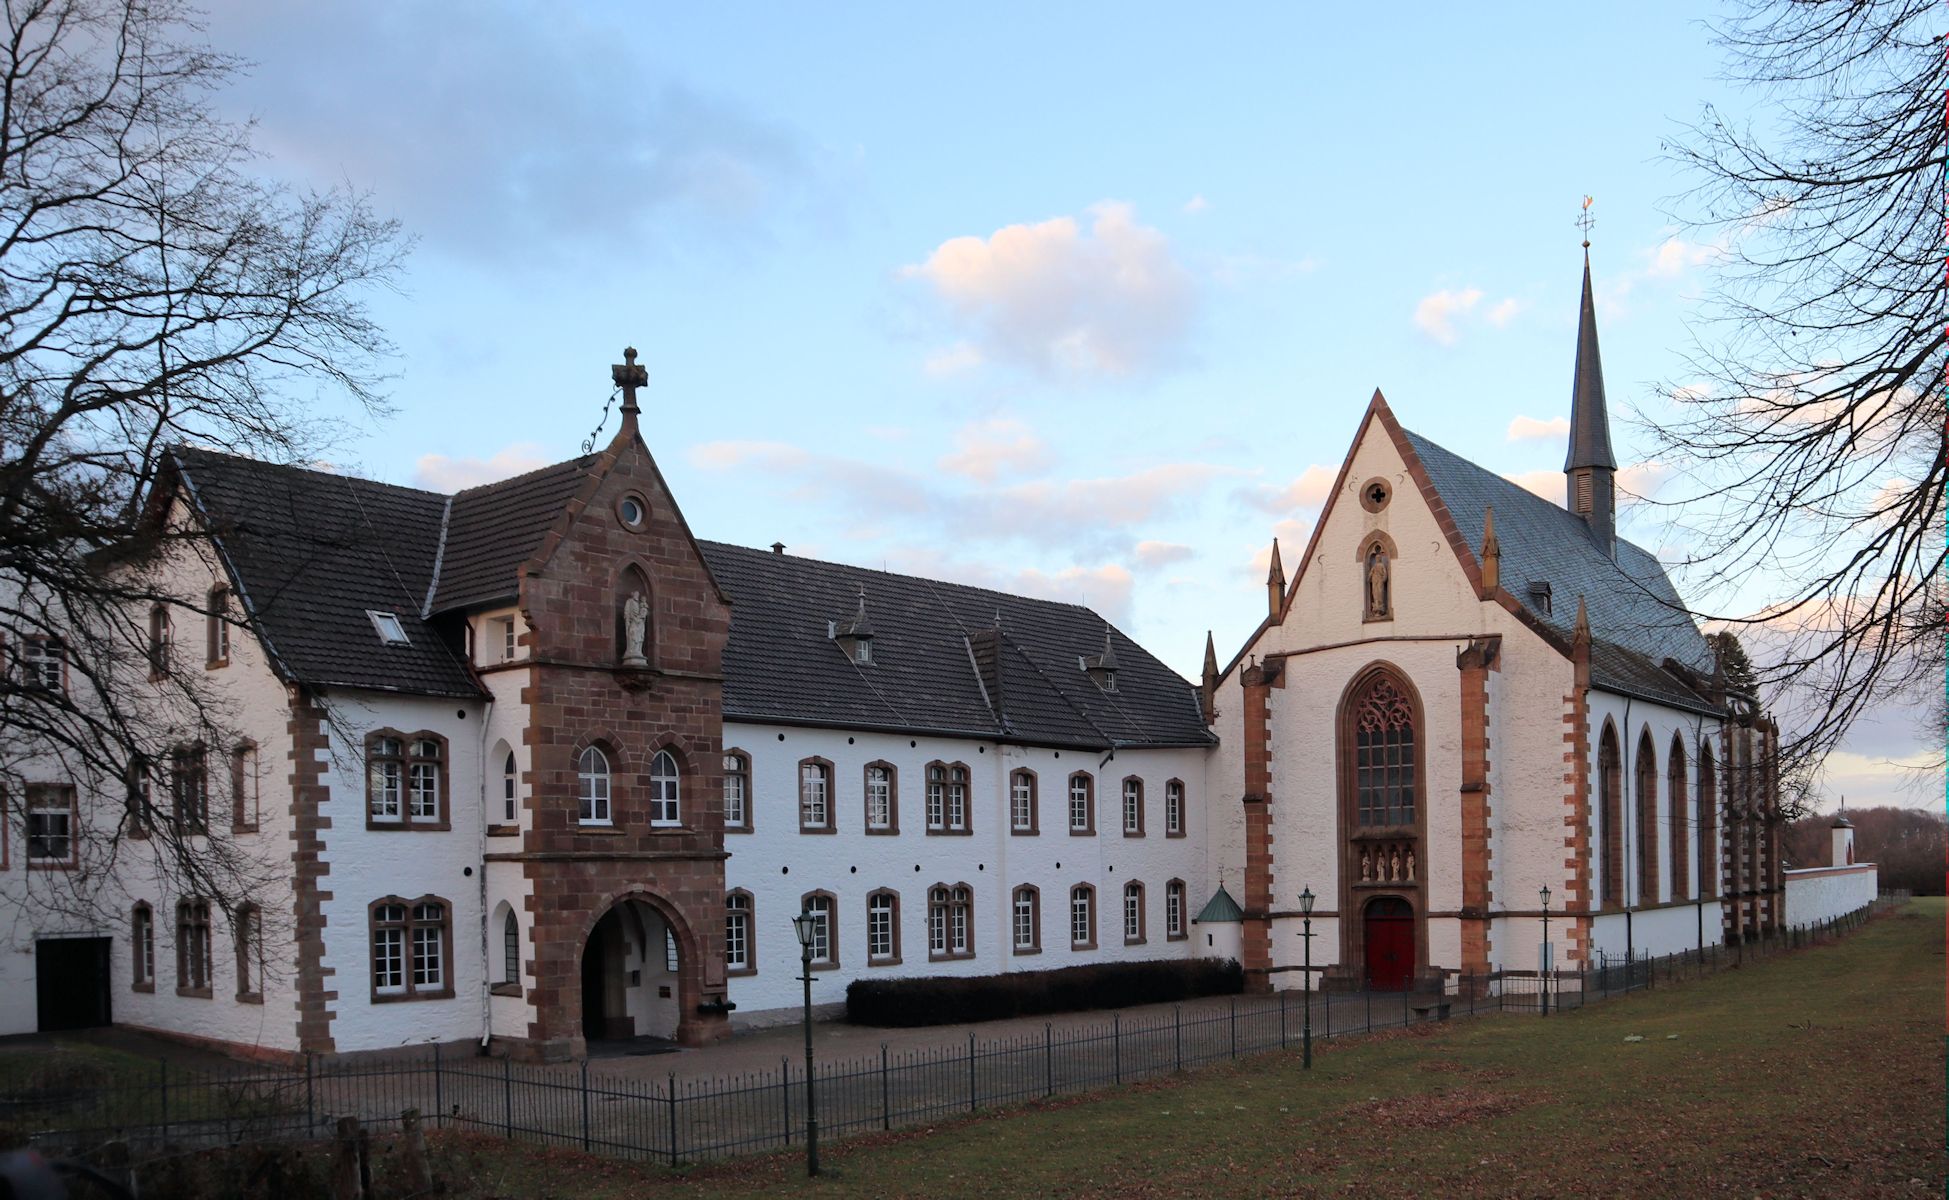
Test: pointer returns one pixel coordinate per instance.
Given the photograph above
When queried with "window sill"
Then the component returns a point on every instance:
(817, 830)
(826, 966)
(250, 997)
(1178, 937)
(504, 989)
(1021, 950)
(245, 828)
(740, 972)
(1133, 833)
(1134, 941)
(884, 962)
(149, 988)
(1074, 832)
(197, 993)
(1180, 833)
(504, 831)
(1030, 832)
(933, 957)
(604, 830)
(737, 829)
(883, 831)
(216, 664)
(45, 865)
(384, 826)
(402, 997)
(950, 833)
(1082, 945)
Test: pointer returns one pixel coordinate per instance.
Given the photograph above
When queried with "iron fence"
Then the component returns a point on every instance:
(677, 1120)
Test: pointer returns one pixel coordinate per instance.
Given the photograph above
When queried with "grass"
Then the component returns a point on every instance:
(70, 1084)
(1817, 1073)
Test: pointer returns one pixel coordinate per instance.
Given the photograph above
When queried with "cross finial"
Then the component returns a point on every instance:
(1585, 220)
(629, 376)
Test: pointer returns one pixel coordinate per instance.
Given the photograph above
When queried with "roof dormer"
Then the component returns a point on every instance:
(1102, 668)
(854, 636)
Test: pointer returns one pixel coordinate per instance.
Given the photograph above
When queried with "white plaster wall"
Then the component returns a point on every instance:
(368, 864)
(778, 864)
(506, 723)
(1823, 893)
(1655, 932)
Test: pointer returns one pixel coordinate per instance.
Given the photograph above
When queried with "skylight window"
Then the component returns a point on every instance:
(390, 631)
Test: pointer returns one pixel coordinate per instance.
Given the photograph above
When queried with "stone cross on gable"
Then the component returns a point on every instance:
(629, 375)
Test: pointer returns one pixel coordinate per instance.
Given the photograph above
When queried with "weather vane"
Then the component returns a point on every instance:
(1585, 220)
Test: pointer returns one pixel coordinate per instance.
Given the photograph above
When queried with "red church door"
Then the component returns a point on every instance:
(1389, 931)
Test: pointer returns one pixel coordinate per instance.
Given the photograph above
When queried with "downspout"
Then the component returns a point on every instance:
(486, 967)
(1698, 789)
(1627, 776)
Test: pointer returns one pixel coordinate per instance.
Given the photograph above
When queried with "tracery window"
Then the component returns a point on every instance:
(1384, 755)
(193, 947)
(1610, 816)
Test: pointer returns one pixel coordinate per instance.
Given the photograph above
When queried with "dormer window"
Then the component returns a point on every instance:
(1101, 668)
(854, 637)
(1539, 596)
(387, 625)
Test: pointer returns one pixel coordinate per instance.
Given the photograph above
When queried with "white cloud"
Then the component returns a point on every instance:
(1547, 484)
(1309, 490)
(439, 473)
(1505, 312)
(1111, 301)
(1437, 312)
(1528, 429)
(1156, 554)
(1196, 205)
(953, 360)
(986, 450)
(1634, 481)
(1675, 256)
(1105, 588)
(725, 456)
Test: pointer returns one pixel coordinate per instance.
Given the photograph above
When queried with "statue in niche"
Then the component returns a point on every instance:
(1366, 867)
(1394, 864)
(1410, 874)
(636, 620)
(1378, 583)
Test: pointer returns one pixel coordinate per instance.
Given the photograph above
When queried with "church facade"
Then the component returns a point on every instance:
(530, 766)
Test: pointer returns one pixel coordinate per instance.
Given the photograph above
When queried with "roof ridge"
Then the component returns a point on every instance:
(761, 552)
(439, 560)
(580, 461)
(249, 460)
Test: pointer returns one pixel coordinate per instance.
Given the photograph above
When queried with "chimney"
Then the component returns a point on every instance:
(1589, 468)
(778, 547)
(1275, 584)
(1491, 552)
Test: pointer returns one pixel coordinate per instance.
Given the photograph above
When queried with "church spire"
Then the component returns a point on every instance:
(1208, 687)
(1275, 583)
(1589, 468)
(1491, 552)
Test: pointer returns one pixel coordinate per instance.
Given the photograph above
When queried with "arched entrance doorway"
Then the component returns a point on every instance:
(1388, 933)
(630, 971)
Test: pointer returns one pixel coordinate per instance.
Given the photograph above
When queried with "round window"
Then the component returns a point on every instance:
(632, 511)
(1374, 494)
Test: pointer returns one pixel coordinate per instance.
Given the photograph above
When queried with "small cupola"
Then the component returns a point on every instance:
(1102, 668)
(854, 636)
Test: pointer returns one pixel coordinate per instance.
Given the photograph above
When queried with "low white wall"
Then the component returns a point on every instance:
(1822, 893)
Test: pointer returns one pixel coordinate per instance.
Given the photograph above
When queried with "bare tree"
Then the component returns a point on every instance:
(1815, 435)
(153, 291)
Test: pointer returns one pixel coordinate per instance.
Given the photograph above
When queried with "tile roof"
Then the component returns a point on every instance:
(1636, 618)
(313, 552)
(780, 665)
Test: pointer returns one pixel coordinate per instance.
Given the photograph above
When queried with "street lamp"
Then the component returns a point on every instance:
(1545, 963)
(804, 925)
(1306, 932)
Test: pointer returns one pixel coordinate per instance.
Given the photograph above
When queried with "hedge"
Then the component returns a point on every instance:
(951, 999)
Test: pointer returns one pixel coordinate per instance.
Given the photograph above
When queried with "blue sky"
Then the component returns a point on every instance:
(1078, 300)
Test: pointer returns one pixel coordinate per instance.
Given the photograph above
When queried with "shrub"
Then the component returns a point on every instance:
(950, 999)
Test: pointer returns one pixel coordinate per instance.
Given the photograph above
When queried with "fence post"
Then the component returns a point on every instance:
(1368, 991)
(163, 1064)
(1282, 1018)
(785, 1095)
(886, 1104)
(1177, 1034)
(1116, 1047)
(1235, 1027)
(670, 1091)
(1048, 1062)
(311, 1110)
(971, 1073)
(507, 1095)
(439, 1095)
(585, 1106)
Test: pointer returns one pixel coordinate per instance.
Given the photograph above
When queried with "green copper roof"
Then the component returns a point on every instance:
(1220, 908)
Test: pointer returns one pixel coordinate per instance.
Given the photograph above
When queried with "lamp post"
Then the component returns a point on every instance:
(804, 925)
(1306, 932)
(1545, 963)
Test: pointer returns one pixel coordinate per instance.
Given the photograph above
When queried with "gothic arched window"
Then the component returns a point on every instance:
(1710, 862)
(1382, 716)
(1610, 816)
(1677, 791)
(1647, 820)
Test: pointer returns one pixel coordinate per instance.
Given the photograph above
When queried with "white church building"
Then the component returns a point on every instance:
(529, 766)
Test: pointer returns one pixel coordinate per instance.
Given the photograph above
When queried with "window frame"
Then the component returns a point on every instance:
(248, 930)
(822, 903)
(1175, 808)
(245, 793)
(408, 762)
(600, 810)
(1134, 890)
(742, 773)
(748, 909)
(41, 800)
(1033, 895)
(892, 957)
(189, 788)
(821, 770)
(1132, 810)
(1176, 927)
(1086, 894)
(950, 910)
(409, 927)
(142, 947)
(193, 952)
(162, 641)
(511, 965)
(510, 789)
(216, 633)
(954, 779)
(673, 819)
(32, 657)
(1016, 778)
(892, 826)
(1089, 803)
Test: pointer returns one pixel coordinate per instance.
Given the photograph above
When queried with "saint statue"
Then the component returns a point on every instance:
(636, 619)
(1394, 864)
(1377, 582)
(1410, 874)
(1366, 868)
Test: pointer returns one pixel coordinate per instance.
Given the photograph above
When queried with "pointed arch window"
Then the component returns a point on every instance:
(1710, 865)
(511, 949)
(510, 785)
(1385, 771)
(1681, 840)
(1610, 815)
(1647, 799)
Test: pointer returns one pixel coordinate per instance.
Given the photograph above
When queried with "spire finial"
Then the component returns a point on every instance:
(629, 375)
(1275, 582)
(1491, 552)
(1585, 220)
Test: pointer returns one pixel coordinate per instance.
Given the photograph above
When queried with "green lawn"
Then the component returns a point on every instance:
(1818, 1073)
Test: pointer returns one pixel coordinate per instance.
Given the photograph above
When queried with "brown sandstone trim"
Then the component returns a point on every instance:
(309, 745)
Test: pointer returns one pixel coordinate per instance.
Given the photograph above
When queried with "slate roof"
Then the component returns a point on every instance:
(1636, 618)
(780, 665)
(1220, 909)
(312, 552)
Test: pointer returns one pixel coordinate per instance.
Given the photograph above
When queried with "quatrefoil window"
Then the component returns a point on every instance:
(1374, 494)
